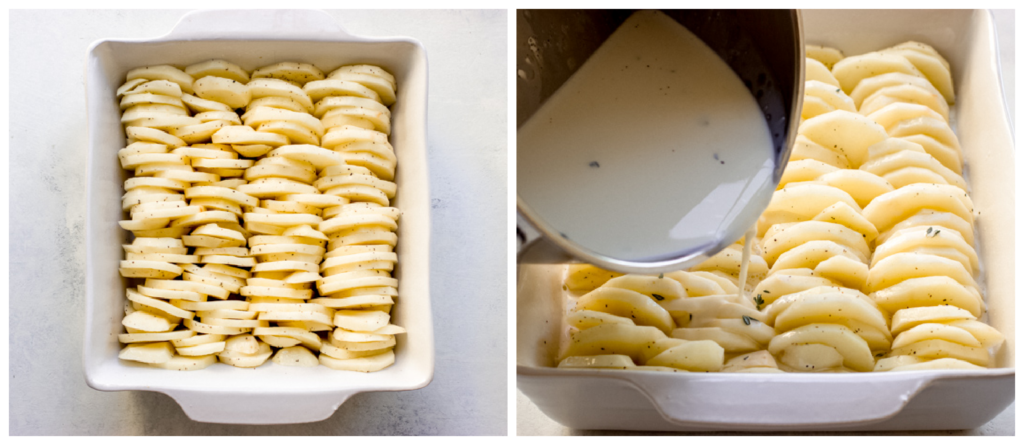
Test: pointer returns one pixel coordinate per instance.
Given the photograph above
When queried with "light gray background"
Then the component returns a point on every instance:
(466, 150)
(530, 421)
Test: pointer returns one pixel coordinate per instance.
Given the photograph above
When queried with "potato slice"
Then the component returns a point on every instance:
(237, 305)
(930, 331)
(150, 99)
(987, 335)
(911, 94)
(904, 319)
(730, 342)
(942, 363)
(273, 187)
(758, 359)
(929, 291)
(852, 70)
(801, 202)
(811, 254)
(277, 292)
(363, 364)
(307, 338)
(855, 351)
(163, 72)
(196, 340)
(260, 115)
(279, 342)
(295, 356)
(300, 73)
(842, 213)
(320, 158)
(199, 133)
(931, 67)
(319, 89)
(283, 103)
(811, 358)
(870, 85)
(200, 105)
(128, 86)
(279, 171)
(180, 363)
(384, 89)
(295, 133)
(846, 132)
(363, 302)
(242, 360)
(700, 356)
(613, 339)
(895, 162)
(817, 71)
(229, 260)
(361, 321)
(330, 103)
(212, 329)
(155, 353)
(161, 87)
(218, 68)
(245, 344)
(201, 349)
(608, 361)
(148, 337)
(191, 286)
(284, 219)
(157, 305)
(148, 269)
(826, 55)
(264, 87)
(804, 148)
(145, 134)
(929, 240)
(371, 70)
(829, 98)
(863, 186)
(936, 349)
(783, 237)
(903, 266)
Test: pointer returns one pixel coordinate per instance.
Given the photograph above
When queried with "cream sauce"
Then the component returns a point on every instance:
(653, 149)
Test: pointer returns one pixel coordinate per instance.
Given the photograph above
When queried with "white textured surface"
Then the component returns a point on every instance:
(467, 140)
(530, 421)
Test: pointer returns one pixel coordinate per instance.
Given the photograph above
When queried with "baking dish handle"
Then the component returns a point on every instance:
(258, 408)
(262, 24)
(772, 401)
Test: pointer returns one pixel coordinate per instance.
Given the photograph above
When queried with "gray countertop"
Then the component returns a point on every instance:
(530, 421)
(467, 151)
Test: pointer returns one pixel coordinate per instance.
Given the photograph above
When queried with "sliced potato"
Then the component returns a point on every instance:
(295, 356)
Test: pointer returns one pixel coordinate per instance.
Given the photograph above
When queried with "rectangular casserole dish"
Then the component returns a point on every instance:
(268, 394)
(917, 400)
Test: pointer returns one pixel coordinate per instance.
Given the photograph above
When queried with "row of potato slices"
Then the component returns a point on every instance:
(228, 83)
(274, 106)
(152, 151)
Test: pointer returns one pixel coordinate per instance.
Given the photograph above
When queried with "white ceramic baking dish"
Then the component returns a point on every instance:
(270, 393)
(920, 400)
